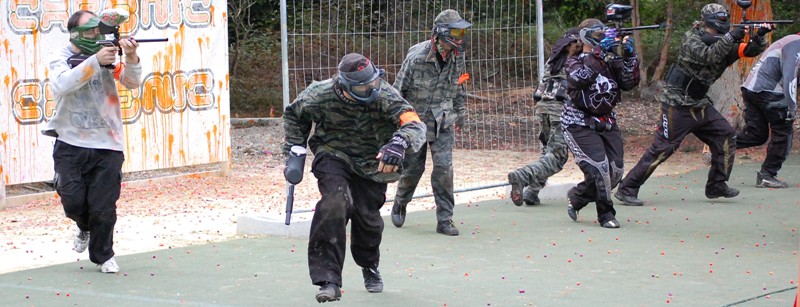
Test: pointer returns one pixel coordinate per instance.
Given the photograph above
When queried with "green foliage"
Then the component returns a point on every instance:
(256, 89)
(786, 10)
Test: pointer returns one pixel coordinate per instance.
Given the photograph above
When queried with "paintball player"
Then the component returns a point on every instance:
(527, 181)
(596, 80)
(87, 125)
(431, 78)
(707, 49)
(770, 99)
(363, 128)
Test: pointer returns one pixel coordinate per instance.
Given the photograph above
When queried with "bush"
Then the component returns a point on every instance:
(256, 81)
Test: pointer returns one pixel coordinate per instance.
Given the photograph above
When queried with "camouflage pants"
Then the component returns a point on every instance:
(554, 153)
(441, 176)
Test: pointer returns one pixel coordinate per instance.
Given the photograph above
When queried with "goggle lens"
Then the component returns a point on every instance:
(364, 90)
(93, 33)
(458, 33)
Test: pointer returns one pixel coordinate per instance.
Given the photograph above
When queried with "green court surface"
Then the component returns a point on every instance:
(680, 249)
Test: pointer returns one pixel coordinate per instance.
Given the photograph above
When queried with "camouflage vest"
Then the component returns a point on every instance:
(351, 131)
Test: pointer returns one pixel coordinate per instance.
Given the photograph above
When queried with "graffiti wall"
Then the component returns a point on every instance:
(179, 116)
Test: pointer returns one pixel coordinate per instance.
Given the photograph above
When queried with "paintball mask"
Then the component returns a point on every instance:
(451, 29)
(85, 36)
(592, 35)
(359, 77)
(716, 17)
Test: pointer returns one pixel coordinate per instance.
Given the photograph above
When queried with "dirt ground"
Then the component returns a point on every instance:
(167, 213)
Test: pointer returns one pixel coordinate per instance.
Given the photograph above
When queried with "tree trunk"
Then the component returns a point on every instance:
(662, 61)
(637, 21)
(725, 92)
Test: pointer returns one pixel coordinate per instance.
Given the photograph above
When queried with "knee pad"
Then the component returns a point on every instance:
(616, 174)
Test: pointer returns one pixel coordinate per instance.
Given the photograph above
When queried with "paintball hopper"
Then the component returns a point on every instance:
(744, 4)
(295, 164)
(618, 12)
(111, 19)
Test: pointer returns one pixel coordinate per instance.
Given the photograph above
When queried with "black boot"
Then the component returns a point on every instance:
(517, 185)
(764, 180)
(398, 215)
(328, 292)
(573, 201)
(447, 228)
(722, 191)
(531, 197)
(372, 280)
(628, 200)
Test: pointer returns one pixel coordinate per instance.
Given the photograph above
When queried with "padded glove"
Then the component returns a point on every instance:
(609, 44)
(736, 35)
(627, 47)
(461, 120)
(762, 31)
(394, 152)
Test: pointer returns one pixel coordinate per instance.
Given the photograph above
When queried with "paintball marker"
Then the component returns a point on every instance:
(293, 174)
(745, 4)
(110, 20)
(617, 13)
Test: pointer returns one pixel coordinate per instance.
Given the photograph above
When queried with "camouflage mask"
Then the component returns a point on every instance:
(85, 37)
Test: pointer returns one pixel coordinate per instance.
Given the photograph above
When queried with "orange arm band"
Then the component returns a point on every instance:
(742, 46)
(408, 117)
(463, 78)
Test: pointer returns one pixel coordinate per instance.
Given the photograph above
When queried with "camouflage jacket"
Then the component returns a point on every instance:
(433, 89)
(705, 61)
(551, 106)
(351, 131)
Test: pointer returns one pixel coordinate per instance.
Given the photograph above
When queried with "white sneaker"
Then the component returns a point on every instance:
(110, 266)
(81, 241)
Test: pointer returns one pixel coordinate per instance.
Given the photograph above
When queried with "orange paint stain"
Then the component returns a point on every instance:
(170, 142)
(211, 10)
(113, 100)
(88, 72)
(157, 158)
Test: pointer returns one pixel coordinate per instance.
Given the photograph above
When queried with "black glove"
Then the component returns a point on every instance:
(394, 152)
(628, 49)
(762, 31)
(791, 115)
(737, 34)
(609, 44)
(461, 120)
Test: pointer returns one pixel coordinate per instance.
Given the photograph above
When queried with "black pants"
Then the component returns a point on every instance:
(88, 181)
(345, 196)
(676, 123)
(763, 123)
(600, 156)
